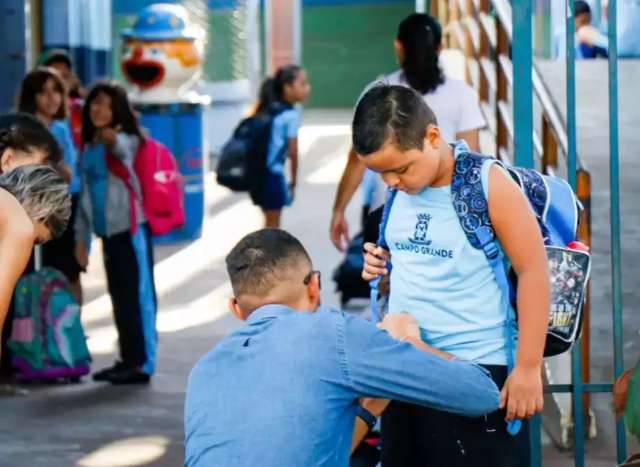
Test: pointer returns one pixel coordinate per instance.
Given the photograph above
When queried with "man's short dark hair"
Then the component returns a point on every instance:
(257, 262)
(390, 113)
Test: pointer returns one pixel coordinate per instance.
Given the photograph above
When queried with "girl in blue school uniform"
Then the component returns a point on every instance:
(43, 95)
(110, 208)
(278, 96)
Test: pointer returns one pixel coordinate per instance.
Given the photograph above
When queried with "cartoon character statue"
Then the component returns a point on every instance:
(162, 54)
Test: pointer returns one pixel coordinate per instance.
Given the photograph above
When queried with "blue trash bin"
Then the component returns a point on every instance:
(179, 126)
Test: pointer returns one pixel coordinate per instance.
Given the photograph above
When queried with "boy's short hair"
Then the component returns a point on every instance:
(581, 8)
(23, 131)
(394, 114)
(43, 194)
(259, 260)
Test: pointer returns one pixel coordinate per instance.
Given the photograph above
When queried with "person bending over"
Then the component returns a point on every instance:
(34, 208)
(283, 390)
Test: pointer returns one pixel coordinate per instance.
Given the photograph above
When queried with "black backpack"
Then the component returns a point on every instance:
(348, 274)
(243, 161)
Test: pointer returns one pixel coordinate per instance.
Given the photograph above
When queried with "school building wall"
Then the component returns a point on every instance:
(345, 43)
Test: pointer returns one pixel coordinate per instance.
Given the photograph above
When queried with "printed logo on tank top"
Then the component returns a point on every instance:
(419, 244)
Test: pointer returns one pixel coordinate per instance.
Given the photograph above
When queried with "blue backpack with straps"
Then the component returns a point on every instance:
(556, 208)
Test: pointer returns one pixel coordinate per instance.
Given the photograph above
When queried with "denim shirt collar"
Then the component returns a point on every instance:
(269, 311)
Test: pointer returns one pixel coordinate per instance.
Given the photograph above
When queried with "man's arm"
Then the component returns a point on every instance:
(403, 328)
(349, 182)
(519, 235)
(377, 365)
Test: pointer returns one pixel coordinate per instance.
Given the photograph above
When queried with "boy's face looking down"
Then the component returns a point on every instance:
(410, 170)
(396, 134)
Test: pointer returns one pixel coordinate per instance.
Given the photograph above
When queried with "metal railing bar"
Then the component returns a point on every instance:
(488, 70)
(549, 107)
(488, 28)
(505, 156)
(586, 387)
(489, 116)
(537, 144)
(474, 33)
(458, 32)
(507, 68)
(504, 115)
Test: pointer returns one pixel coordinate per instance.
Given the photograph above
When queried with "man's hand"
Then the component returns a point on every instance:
(339, 230)
(522, 392)
(400, 326)
(375, 262)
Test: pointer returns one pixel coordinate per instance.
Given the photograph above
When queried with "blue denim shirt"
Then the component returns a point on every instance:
(282, 391)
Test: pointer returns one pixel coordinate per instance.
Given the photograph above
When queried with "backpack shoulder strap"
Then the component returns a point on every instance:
(382, 241)
(386, 211)
(535, 188)
(471, 204)
(472, 207)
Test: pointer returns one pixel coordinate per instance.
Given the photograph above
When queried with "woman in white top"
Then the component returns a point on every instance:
(455, 103)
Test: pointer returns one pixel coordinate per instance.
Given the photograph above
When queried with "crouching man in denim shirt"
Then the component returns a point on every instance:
(283, 390)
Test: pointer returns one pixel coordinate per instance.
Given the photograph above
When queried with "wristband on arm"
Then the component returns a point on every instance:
(366, 417)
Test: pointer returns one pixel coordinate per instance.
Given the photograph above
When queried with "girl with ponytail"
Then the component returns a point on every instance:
(277, 98)
(417, 45)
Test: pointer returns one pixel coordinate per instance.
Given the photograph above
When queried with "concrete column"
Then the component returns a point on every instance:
(283, 33)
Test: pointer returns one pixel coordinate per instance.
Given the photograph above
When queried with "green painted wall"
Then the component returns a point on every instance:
(345, 47)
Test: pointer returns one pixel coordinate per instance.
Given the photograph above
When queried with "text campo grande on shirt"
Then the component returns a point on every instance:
(419, 244)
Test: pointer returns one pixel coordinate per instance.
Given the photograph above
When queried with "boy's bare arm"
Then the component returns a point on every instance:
(519, 235)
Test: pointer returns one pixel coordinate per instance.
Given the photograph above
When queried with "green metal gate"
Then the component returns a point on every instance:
(496, 37)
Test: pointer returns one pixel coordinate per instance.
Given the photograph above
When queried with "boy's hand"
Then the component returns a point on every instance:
(375, 261)
(400, 326)
(522, 392)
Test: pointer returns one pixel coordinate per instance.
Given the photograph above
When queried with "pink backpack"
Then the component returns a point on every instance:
(160, 183)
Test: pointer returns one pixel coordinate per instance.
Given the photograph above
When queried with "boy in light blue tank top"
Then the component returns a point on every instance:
(448, 285)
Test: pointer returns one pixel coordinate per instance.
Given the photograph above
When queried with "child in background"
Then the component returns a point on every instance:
(449, 287)
(43, 95)
(34, 208)
(278, 95)
(113, 212)
(59, 60)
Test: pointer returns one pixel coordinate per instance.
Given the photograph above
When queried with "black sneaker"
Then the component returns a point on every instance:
(105, 373)
(128, 376)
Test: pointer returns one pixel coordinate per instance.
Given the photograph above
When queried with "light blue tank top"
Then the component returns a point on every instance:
(441, 280)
